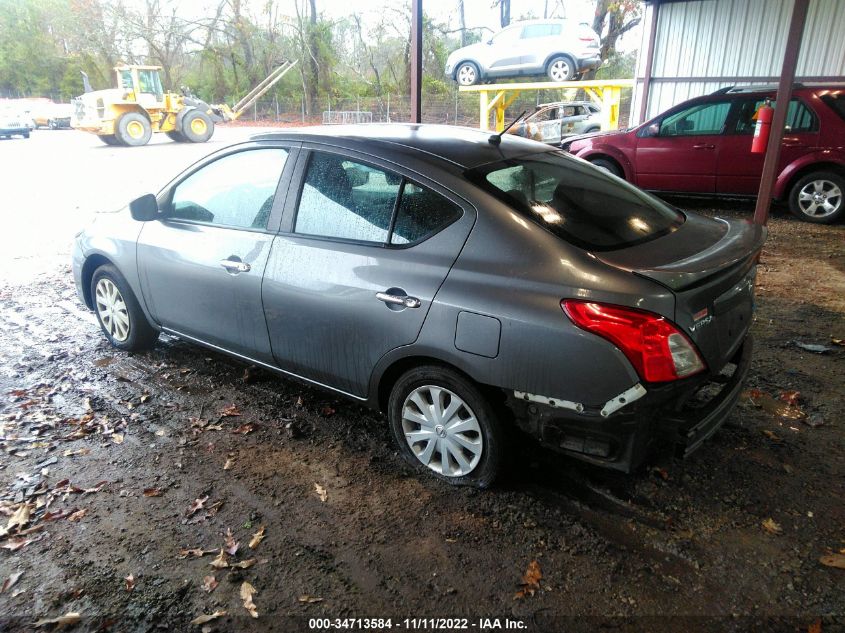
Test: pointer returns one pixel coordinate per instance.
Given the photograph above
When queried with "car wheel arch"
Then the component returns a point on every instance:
(793, 172)
(624, 166)
(92, 263)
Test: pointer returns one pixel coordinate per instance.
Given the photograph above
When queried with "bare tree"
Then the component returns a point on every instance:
(612, 19)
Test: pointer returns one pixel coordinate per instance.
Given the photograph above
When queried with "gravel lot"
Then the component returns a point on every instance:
(153, 463)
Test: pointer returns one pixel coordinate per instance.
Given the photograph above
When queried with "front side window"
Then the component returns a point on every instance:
(701, 119)
(507, 36)
(576, 202)
(799, 118)
(234, 191)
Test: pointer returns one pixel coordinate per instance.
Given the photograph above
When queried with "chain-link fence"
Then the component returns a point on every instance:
(457, 109)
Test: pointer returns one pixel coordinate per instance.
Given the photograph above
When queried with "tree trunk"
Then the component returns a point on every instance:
(462, 22)
(504, 12)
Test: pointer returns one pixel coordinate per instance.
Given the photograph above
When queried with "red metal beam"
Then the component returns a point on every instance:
(787, 78)
(416, 61)
(649, 61)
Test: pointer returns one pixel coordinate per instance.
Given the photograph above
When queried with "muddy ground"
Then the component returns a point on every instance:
(140, 463)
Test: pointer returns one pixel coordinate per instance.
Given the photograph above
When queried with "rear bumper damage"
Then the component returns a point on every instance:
(620, 433)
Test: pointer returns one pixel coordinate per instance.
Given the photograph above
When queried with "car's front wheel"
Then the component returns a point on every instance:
(444, 426)
(817, 197)
(608, 166)
(118, 311)
(467, 74)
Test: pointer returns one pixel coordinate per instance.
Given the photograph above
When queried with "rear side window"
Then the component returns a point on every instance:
(540, 30)
(836, 101)
(576, 202)
(421, 214)
(234, 191)
(799, 118)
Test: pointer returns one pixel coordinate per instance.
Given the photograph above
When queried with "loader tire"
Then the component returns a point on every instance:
(177, 136)
(133, 129)
(108, 139)
(197, 126)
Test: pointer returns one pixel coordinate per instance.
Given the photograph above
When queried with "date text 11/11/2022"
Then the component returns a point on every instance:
(416, 624)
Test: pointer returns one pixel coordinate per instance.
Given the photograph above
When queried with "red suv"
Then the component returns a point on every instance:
(703, 146)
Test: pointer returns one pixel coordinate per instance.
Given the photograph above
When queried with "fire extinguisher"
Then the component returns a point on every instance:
(761, 130)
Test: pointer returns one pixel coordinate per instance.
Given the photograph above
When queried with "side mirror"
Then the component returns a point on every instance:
(654, 129)
(144, 209)
(489, 42)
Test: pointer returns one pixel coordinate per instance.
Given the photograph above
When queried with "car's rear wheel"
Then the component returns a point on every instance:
(607, 165)
(818, 197)
(561, 68)
(133, 129)
(444, 426)
(467, 74)
(118, 311)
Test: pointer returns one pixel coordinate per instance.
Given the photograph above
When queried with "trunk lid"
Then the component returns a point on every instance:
(710, 266)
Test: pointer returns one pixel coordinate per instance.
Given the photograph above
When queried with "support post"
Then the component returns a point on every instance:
(649, 62)
(787, 78)
(483, 110)
(416, 61)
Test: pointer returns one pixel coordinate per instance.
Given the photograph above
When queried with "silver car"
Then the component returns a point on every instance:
(552, 122)
(559, 49)
(465, 284)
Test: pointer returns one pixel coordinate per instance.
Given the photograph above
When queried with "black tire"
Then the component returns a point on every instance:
(26, 134)
(197, 126)
(52, 124)
(607, 165)
(133, 129)
(561, 68)
(109, 139)
(592, 129)
(177, 136)
(492, 432)
(141, 335)
(830, 188)
(470, 76)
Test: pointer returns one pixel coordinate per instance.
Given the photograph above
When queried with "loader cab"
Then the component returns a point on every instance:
(144, 82)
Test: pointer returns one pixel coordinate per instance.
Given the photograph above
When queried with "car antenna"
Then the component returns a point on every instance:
(495, 139)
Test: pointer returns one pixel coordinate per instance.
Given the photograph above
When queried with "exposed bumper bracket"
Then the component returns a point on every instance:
(554, 403)
(625, 398)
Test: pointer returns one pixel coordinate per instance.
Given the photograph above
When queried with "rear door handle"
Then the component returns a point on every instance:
(704, 146)
(235, 267)
(406, 301)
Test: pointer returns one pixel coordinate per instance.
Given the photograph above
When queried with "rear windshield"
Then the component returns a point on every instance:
(836, 100)
(576, 201)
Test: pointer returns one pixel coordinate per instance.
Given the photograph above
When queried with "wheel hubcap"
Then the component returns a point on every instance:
(111, 309)
(560, 70)
(442, 431)
(466, 75)
(198, 126)
(820, 198)
(135, 129)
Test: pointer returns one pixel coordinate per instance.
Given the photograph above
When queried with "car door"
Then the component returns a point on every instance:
(362, 253)
(678, 153)
(738, 170)
(574, 120)
(201, 264)
(536, 40)
(504, 52)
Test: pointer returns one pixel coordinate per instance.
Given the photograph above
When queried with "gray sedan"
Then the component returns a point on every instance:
(464, 284)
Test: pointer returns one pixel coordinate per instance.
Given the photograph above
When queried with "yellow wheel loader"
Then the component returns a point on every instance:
(139, 106)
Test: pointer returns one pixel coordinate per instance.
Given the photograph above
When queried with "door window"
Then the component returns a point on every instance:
(234, 191)
(799, 118)
(345, 199)
(150, 82)
(507, 36)
(421, 214)
(701, 119)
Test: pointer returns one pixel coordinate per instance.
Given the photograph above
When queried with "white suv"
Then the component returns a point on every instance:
(558, 48)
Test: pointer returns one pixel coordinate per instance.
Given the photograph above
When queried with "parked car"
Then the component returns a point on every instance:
(552, 122)
(703, 146)
(560, 49)
(460, 282)
(52, 115)
(12, 125)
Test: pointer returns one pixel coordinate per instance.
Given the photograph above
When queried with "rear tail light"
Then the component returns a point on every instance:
(657, 349)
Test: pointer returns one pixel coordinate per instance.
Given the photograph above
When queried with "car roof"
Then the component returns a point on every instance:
(461, 146)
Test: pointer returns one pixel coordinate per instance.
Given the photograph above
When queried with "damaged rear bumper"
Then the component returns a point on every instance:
(619, 435)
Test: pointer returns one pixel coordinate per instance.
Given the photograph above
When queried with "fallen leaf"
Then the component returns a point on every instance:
(145, 398)
(771, 435)
(790, 397)
(661, 472)
(530, 580)
(833, 560)
(257, 537)
(77, 516)
(20, 517)
(230, 542)
(209, 584)
(327, 411)
(195, 553)
(130, 582)
(838, 341)
(244, 564)
(81, 451)
(220, 562)
(243, 429)
(815, 348)
(309, 599)
(198, 504)
(815, 627)
(228, 463)
(10, 581)
(781, 408)
(247, 591)
(208, 618)
(153, 492)
(771, 526)
(68, 619)
(117, 438)
(231, 411)
(321, 492)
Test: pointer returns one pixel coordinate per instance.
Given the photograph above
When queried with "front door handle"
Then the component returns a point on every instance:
(704, 146)
(398, 300)
(235, 267)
